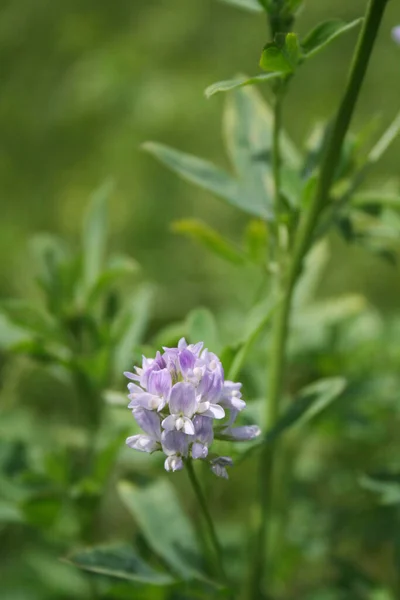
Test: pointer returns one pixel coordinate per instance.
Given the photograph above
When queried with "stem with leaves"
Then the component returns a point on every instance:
(302, 242)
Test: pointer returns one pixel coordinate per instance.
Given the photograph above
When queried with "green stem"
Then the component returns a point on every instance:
(207, 518)
(302, 242)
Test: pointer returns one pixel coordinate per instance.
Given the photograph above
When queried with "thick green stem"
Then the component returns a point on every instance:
(207, 518)
(302, 243)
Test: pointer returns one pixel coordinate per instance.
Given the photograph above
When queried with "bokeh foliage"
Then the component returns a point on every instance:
(85, 85)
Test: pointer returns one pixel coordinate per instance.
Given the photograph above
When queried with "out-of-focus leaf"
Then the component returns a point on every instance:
(232, 84)
(57, 273)
(201, 232)
(118, 561)
(256, 241)
(116, 268)
(311, 401)
(162, 521)
(170, 335)
(387, 491)
(385, 140)
(41, 511)
(257, 320)
(376, 198)
(248, 125)
(250, 5)
(130, 329)
(282, 55)
(107, 456)
(11, 335)
(330, 311)
(25, 315)
(10, 513)
(95, 234)
(311, 276)
(325, 33)
(202, 327)
(205, 175)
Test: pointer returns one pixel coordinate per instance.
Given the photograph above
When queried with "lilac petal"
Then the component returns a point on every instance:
(149, 421)
(132, 376)
(220, 471)
(187, 361)
(145, 400)
(224, 461)
(143, 443)
(174, 442)
(203, 429)
(159, 383)
(210, 387)
(199, 450)
(173, 463)
(215, 411)
(241, 434)
(159, 359)
(188, 426)
(196, 348)
(182, 344)
(396, 34)
(169, 423)
(183, 399)
(135, 389)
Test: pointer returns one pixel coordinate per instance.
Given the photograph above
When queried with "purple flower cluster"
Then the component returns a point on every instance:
(176, 398)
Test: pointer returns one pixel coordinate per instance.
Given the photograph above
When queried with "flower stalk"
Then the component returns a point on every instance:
(207, 519)
(302, 242)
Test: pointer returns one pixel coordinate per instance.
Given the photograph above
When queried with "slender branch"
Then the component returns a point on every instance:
(302, 242)
(207, 517)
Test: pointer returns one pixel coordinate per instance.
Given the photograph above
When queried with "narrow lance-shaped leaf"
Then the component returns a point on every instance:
(131, 328)
(120, 562)
(211, 239)
(205, 175)
(325, 33)
(95, 234)
(249, 5)
(163, 523)
(312, 400)
(237, 82)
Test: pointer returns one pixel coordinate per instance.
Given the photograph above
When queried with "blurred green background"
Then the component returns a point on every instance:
(85, 83)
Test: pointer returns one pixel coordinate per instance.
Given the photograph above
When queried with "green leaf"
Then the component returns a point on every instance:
(232, 84)
(376, 198)
(10, 512)
(118, 561)
(311, 401)
(25, 315)
(211, 239)
(162, 521)
(324, 34)
(388, 491)
(250, 5)
(248, 124)
(116, 268)
(281, 55)
(130, 328)
(385, 141)
(95, 234)
(256, 241)
(205, 175)
(202, 327)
